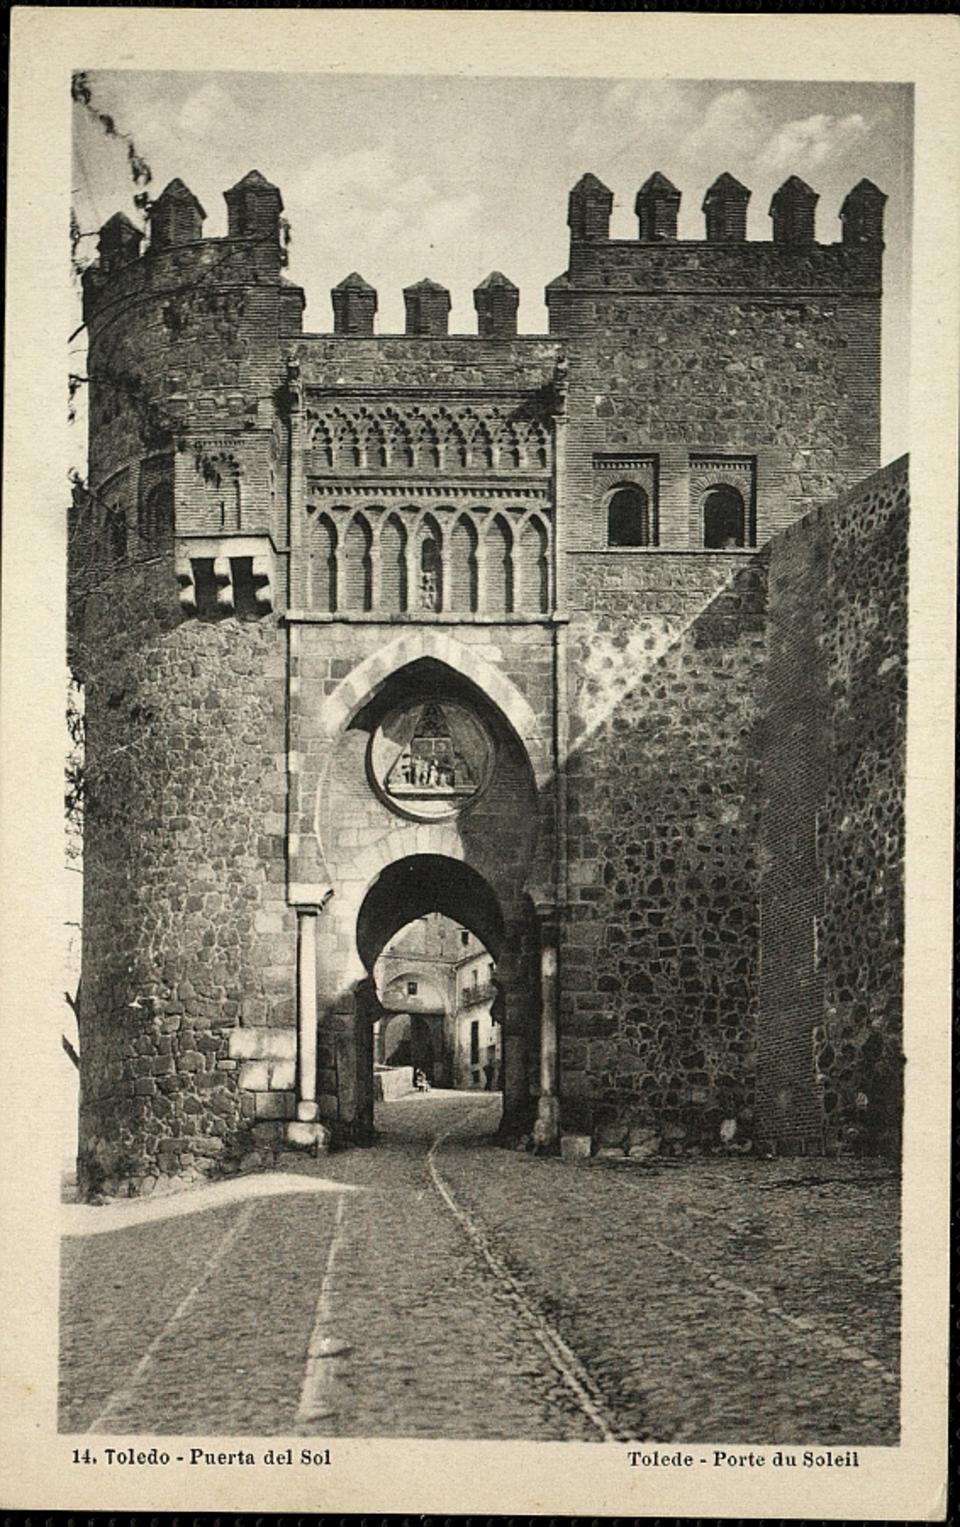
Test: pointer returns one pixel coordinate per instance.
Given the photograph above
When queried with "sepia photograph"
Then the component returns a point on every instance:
(487, 674)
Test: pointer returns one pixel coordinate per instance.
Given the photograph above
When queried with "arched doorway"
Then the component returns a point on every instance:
(405, 892)
(428, 788)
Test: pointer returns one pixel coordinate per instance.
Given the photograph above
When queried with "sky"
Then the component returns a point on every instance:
(400, 177)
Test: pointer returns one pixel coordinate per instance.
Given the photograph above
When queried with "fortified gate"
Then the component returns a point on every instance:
(372, 626)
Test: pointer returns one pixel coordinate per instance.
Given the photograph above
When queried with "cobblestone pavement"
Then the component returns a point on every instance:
(440, 1286)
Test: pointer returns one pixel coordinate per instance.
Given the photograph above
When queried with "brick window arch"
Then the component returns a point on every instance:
(430, 565)
(323, 564)
(628, 516)
(464, 585)
(533, 569)
(356, 592)
(156, 515)
(724, 518)
(393, 564)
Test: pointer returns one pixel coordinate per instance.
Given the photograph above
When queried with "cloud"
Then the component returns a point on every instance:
(807, 142)
(732, 126)
(368, 191)
(211, 111)
(662, 107)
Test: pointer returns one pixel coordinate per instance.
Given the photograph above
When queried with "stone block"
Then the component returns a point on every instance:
(268, 1131)
(255, 1075)
(307, 1112)
(283, 1075)
(275, 1105)
(575, 1147)
(263, 1044)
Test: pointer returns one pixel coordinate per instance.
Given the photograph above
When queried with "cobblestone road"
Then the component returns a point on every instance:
(439, 1286)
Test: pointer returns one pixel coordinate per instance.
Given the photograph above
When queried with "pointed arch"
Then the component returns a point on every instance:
(509, 456)
(321, 442)
(374, 446)
(533, 566)
(426, 449)
(399, 447)
(393, 565)
(453, 445)
(537, 446)
(498, 551)
(481, 446)
(430, 563)
(347, 445)
(356, 592)
(353, 692)
(157, 514)
(464, 565)
(322, 564)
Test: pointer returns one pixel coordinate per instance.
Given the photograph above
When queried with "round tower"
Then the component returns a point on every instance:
(177, 569)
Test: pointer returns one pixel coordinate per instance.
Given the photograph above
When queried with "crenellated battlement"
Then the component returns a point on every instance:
(178, 257)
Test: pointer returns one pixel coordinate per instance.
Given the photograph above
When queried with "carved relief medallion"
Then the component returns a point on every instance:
(430, 760)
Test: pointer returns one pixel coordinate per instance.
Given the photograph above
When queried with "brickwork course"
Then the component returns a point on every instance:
(650, 579)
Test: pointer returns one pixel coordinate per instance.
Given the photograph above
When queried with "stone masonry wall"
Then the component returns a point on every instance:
(345, 834)
(833, 772)
(746, 350)
(659, 952)
(188, 974)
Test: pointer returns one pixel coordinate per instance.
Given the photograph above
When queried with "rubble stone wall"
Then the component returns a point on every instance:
(833, 775)
(187, 939)
(659, 956)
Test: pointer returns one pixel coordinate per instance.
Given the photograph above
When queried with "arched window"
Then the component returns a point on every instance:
(628, 518)
(393, 565)
(156, 515)
(724, 519)
(533, 567)
(431, 566)
(499, 560)
(357, 588)
(323, 565)
(463, 566)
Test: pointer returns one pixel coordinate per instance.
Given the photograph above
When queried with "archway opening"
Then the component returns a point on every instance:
(724, 519)
(429, 932)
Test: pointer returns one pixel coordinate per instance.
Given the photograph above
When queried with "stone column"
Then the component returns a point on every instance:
(548, 1106)
(307, 1013)
(306, 1129)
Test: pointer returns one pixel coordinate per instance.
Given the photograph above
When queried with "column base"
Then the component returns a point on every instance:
(546, 1130)
(305, 1134)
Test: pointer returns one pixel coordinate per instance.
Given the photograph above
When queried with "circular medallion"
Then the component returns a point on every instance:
(430, 760)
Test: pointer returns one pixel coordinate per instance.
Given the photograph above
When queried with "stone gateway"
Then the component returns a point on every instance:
(592, 642)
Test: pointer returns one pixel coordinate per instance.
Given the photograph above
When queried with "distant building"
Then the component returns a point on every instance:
(436, 983)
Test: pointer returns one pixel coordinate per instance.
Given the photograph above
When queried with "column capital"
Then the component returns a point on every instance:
(309, 897)
(547, 911)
